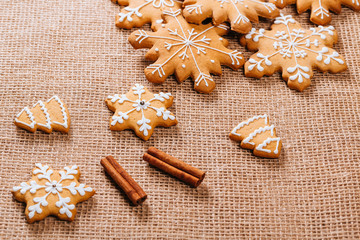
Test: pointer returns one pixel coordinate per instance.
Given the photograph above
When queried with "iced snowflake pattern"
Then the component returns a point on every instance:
(142, 105)
(63, 185)
(145, 10)
(293, 49)
(185, 49)
(320, 13)
(239, 12)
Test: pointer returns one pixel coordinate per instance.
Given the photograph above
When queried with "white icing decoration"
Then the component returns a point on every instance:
(155, 3)
(294, 44)
(246, 123)
(189, 42)
(194, 8)
(212, 61)
(53, 187)
(183, 66)
(261, 146)
(140, 105)
(221, 39)
(321, 11)
(156, 49)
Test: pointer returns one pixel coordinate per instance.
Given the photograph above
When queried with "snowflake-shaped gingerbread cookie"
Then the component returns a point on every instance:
(141, 111)
(295, 51)
(320, 9)
(240, 13)
(52, 192)
(139, 12)
(186, 50)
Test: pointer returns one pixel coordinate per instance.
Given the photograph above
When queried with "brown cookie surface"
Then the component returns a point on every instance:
(320, 9)
(139, 12)
(240, 14)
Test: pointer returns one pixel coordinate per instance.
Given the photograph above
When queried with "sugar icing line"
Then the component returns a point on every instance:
(242, 124)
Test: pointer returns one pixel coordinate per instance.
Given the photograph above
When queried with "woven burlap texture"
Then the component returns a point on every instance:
(72, 49)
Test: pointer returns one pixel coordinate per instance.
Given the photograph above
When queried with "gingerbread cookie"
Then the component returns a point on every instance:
(320, 13)
(141, 111)
(139, 12)
(52, 192)
(256, 134)
(186, 50)
(295, 51)
(45, 116)
(240, 14)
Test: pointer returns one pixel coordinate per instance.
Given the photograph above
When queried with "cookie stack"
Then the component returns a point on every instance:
(180, 44)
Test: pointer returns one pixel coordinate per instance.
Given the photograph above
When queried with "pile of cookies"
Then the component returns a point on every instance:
(181, 44)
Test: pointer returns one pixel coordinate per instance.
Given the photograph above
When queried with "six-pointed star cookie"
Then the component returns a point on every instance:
(52, 192)
(320, 13)
(139, 12)
(186, 50)
(240, 13)
(295, 51)
(141, 111)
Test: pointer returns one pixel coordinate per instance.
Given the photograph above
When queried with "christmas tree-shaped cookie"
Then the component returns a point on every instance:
(256, 134)
(45, 116)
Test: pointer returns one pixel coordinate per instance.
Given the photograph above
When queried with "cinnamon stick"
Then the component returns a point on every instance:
(174, 167)
(135, 193)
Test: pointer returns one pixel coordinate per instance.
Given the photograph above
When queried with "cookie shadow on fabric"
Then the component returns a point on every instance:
(272, 162)
(175, 185)
(142, 210)
(40, 136)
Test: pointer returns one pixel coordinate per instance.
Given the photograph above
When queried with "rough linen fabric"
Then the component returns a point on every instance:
(72, 49)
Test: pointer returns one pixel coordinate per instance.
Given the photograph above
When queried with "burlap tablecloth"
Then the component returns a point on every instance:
(72, 49)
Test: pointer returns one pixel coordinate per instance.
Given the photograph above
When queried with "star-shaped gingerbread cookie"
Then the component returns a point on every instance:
(141, 111)
(240, 13)
(139, 12)
(186, 50)
(52, 192)
(320, 9)
(295, 51)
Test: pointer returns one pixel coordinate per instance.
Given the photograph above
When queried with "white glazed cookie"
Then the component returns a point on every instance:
(183, 49)
(240, 13)
(52, 192)
(45, 116)
(139, 12)
(141, 111)
(295, 51)
(257, 134)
